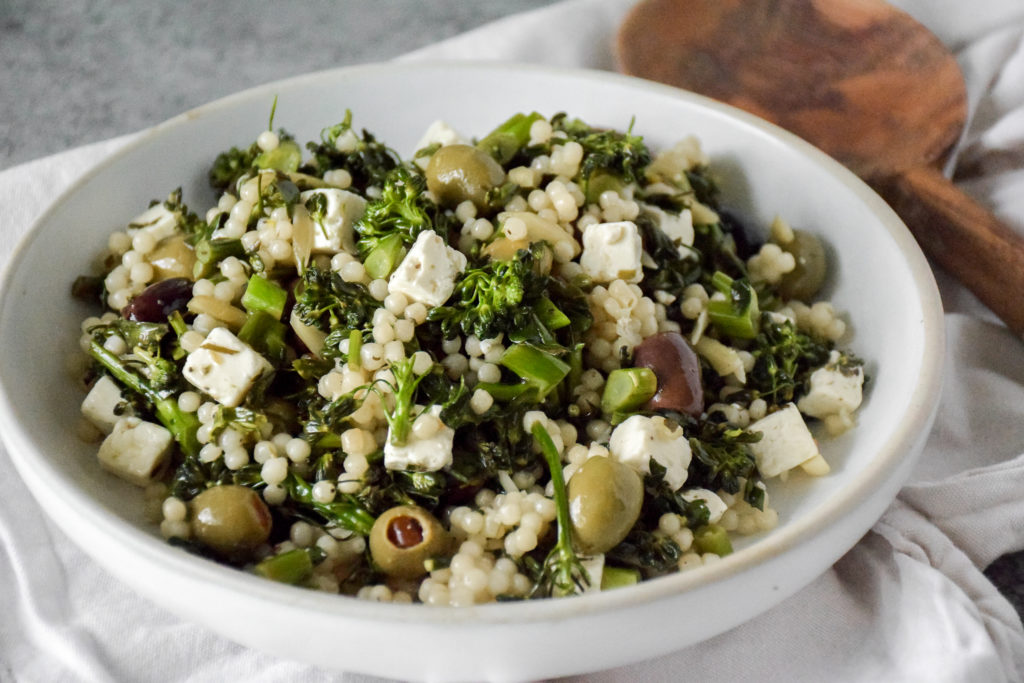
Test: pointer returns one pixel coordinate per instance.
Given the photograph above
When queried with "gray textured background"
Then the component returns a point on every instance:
(80, 71)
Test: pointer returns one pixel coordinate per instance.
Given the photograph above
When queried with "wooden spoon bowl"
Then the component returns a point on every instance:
(859, 79)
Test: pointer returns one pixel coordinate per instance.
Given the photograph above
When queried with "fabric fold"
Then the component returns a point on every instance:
(908, 603)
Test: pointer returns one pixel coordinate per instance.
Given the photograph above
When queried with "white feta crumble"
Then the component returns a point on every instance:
(224, 367)
(833, 391)
(613, 251)
(427, 273)
(134, 450)
(640, 438)
(716, 506)
(335, 228)
(785, 443)
(428, 454)
(100, 404)
(158, 221)
(440, 133)
(678, 227)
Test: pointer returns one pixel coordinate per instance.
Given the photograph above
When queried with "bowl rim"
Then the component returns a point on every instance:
(922, 404)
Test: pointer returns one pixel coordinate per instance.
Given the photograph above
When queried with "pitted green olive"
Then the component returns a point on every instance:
(804, 281)
(230, 520)
(456, 173)
(605, 497)
(403, 538)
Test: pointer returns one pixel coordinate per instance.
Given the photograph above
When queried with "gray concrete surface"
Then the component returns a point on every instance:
(80, 71)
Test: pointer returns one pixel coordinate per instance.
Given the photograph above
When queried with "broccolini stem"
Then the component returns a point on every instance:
(181, 424)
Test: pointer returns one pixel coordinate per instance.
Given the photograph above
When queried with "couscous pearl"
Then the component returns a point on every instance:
(236, 458)
(405, 330)
(450, 346)
(119, 242)
(669, 523)
(515, 229)
(353, 271)
(378, 289)
(230, 438)
(297, 450)
(340, 260)
(274, 470)
(268, 140)
(482, 229)
(323, 492)
(131, 258)
(210, 452)
(356, 441)
(250, 241)
(116, 345)
(174, 510)
(242, 209)
(143, 242)
(416, 312)
(488, 372)
(175, 529)
(301, 534)
(383, 333)
(263, 451)
(189, 401)
(481, 401)
(396, 303)
(355, 463)
(338, 177)
(224, 291)
(275, 494)
(280, 250)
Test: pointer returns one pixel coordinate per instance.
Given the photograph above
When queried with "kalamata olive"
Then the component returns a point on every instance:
(677, 368)
(403, 538)
(456, 173)
(230, 520)
(605, 497)
(156, 302)
(804, 281)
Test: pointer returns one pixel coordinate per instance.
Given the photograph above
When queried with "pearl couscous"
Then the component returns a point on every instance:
(540, 363)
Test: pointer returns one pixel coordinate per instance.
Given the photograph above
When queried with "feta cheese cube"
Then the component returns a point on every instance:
(100, 404)
(440, 133)
(134, 450)
(716, 506)
(833, 391)
(335, 227)
(427, 273)
(224, 367)
(613, 251)
(785, 443)
(158, 221)
(640, 438)
(428, 454)
(678, 227)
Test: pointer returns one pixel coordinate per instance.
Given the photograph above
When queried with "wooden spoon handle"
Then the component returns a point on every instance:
(964, 238)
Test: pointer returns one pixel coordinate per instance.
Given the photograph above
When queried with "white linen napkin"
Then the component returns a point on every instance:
(908, 603)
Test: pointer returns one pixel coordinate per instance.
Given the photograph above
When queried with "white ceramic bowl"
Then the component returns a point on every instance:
(879, 277)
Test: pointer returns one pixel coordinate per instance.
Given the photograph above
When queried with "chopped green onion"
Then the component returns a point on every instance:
(264, 295)
(627, 389)
(538, 368)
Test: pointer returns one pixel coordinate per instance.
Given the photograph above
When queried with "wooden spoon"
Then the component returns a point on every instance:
(860, 80)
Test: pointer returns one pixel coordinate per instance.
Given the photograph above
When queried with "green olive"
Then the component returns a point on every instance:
(405, 537)
(804, 281)
(456, 173)
(605, 497)
(230, 520)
